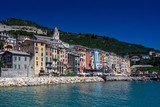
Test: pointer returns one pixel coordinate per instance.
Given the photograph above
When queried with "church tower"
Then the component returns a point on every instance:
(55, 34)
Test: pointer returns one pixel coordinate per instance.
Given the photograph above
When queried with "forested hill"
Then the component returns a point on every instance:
(90, 40)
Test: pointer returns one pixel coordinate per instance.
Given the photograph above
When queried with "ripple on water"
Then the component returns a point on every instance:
(116, 93)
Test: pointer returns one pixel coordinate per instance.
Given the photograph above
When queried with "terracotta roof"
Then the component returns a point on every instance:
(135, 56)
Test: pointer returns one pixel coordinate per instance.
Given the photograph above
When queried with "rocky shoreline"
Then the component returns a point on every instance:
(36, 81)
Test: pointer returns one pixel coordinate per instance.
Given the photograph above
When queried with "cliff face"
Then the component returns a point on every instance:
(4, 27)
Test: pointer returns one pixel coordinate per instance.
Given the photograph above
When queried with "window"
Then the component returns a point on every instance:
(15, 66)
(50, 59)
(36, 48)
(25, 66)
(41, 49)
(41, 54)
(41, 44)
(50, 49)
(46, 53)
(41, 63)
(50, 54)
(36, 58)
(55, 56)
(19, 58)
(19, 66)
(46, 48)
(37, 63)
(15, 58)
(36, 44)
(41, 59)
(46, 59)
(25, 58)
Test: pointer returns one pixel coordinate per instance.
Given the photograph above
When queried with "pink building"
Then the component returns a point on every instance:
(48, 59)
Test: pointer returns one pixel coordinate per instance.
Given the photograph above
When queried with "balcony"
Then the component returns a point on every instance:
(55, 59)
(54, 67)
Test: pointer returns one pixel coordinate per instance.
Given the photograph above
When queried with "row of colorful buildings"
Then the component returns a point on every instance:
(51, 55)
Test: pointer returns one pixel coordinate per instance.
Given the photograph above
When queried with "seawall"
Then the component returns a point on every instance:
(34, 81)
(125, 78)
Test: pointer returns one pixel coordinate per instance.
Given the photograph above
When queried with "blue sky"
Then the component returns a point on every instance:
(133, 21)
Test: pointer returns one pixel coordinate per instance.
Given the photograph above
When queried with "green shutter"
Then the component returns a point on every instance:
(15, 66)
(15, 58)
(25, 58)
(25, 66)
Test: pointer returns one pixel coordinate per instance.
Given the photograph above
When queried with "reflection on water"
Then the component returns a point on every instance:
(117, 93)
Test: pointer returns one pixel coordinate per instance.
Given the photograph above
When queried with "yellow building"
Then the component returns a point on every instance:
(128, 67)
(61, 54)
(104, 60)
(37, 51)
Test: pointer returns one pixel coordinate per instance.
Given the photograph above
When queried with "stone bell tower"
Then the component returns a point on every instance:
(55, 34)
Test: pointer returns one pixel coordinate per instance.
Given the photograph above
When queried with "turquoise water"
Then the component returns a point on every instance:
(101, 94)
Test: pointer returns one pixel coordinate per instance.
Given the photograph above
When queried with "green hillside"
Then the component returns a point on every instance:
(89, 40)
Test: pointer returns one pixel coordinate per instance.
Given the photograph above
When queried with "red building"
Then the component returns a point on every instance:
(88, 59)
(48, 59)
(102, 59)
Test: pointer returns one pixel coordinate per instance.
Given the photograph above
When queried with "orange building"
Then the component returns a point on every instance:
(88, 59)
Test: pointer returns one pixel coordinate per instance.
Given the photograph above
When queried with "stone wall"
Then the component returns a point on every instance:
(12, 73)
(125, 78)
(24, 28)
(25, 81)
(9, 73)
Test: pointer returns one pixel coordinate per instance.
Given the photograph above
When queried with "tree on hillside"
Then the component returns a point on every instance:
(80, 33)
(9, 47)
(1, 45)
(1, 65)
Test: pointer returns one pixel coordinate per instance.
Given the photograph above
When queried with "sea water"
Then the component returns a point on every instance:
(100, 94)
